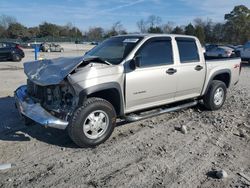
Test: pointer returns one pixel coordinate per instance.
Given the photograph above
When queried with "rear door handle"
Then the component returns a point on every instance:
(198, 68)
(171, 71)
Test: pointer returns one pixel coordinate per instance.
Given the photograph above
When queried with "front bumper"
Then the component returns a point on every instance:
(27, 107)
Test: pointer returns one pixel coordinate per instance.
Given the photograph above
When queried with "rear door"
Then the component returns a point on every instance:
(191, 70)
(154, 81)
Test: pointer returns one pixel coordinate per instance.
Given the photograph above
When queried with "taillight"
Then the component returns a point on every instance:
(18, 47)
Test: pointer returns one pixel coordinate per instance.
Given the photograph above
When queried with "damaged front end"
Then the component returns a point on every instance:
(48, 98)
(52, 91)
(29, 108)
(60, 100)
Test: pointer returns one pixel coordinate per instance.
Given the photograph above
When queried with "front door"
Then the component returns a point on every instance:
(154, 81)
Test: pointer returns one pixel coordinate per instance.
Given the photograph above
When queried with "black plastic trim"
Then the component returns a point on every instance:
(111, 85)
(216, 74)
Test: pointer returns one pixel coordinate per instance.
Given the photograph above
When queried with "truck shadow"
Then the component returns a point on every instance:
(13, 129)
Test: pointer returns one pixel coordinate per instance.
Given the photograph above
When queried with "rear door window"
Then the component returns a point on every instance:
(188, 50)
(156, 53)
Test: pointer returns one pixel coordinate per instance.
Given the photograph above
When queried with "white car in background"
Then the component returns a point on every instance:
(220, 51)
(245, 53)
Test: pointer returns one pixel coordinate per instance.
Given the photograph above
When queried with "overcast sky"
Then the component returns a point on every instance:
(89, 13)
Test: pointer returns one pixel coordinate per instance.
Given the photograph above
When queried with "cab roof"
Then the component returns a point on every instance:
(158, 35)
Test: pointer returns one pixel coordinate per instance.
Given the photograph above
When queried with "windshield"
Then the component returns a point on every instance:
(115, 49)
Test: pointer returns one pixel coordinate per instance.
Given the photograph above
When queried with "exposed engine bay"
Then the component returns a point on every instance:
(60, 100)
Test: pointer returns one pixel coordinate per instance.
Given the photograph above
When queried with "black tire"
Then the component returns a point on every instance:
(16, 58)
(209, 97)
(76, 125)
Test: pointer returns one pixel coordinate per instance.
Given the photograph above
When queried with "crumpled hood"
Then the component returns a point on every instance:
(51, 71)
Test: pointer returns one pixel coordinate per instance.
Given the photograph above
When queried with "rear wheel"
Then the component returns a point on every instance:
(92, 123)
(215, 96)
(16, 57)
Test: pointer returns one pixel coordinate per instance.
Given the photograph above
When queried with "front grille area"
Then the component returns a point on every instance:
(58, 99)
(35, 91)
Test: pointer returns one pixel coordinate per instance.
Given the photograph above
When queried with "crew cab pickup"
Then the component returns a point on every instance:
(130, 77)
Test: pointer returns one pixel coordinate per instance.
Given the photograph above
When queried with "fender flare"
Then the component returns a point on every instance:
(100, 87)
(215, 74)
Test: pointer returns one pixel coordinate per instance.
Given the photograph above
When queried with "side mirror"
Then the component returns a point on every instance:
(135, 62)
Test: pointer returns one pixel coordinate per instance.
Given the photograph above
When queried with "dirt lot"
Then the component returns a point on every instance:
(149, 153)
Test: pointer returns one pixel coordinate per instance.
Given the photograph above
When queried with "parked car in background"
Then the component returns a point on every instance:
(238, 50)
(51, 47)
(220, 51)
(245, 53)
(210, 46)
(94, 43)
(11, 51)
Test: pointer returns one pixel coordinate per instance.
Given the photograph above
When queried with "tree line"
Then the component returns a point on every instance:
(10, 28)
(235, 29)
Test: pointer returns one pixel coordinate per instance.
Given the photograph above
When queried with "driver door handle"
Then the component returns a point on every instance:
(171, 71)
(198, 68)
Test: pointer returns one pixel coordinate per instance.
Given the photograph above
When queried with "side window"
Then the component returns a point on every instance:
(188, 50)
(155, 53)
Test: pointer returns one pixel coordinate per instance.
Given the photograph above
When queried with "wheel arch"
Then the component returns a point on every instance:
(109, 91)
(223, 75)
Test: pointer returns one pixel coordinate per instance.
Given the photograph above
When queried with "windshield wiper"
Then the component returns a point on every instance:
(96, 59)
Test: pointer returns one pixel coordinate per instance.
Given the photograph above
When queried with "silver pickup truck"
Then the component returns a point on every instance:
(130, 77)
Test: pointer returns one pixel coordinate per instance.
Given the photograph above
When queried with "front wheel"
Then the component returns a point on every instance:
(92, 123)
(215, 96)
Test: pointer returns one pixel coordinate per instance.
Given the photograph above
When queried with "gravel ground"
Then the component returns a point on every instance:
(149, 153)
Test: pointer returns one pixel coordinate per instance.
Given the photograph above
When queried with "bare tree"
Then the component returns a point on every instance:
(95, 33)
(118, 28)
(5, 21)
(199, 22)
(142, 25)
(154, 20)
(168, 27)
